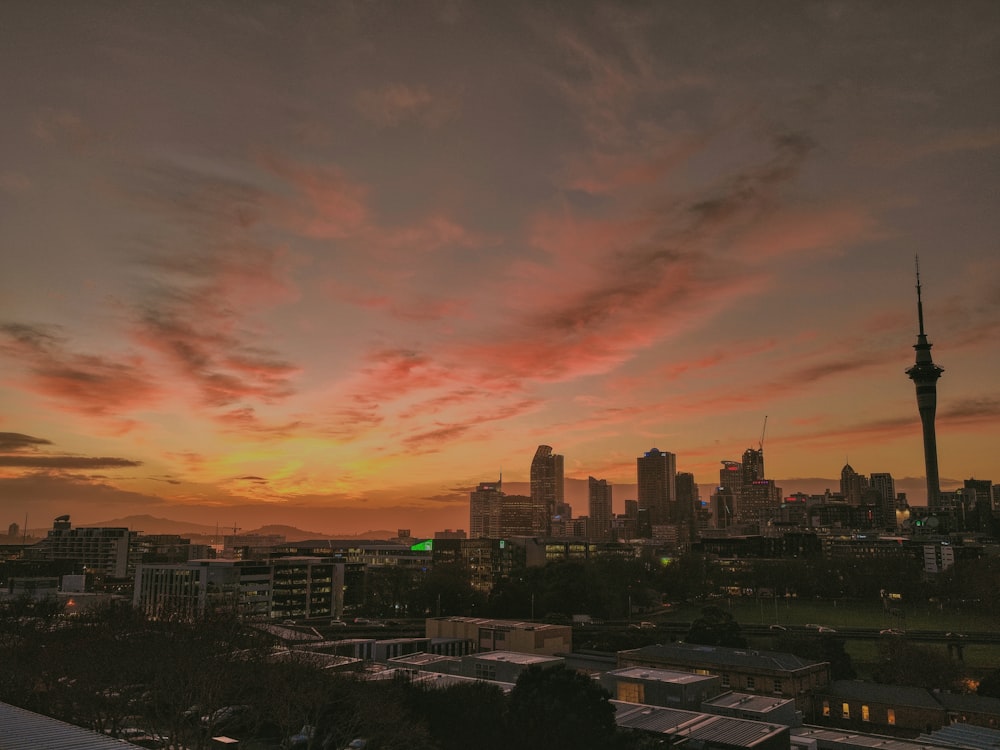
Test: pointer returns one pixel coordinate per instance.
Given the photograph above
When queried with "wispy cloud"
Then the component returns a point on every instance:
(398, 104)
(100, 386)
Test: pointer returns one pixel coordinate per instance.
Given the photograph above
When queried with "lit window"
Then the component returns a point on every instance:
(890, 715)
(631, 692)
(826, 708)
(845, 710)
(865, 715)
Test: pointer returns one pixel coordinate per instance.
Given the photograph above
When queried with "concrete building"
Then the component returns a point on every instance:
(504, 666)
(104, 552)
(292, 587)
(504, 635)
(661, 687)
(754, 707)
(764, 672)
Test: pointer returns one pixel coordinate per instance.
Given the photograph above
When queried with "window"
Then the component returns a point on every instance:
(725, 680)
(826, 708)
(777, 686)
(845, 710)
(631, 692)
(865, 714)
(890, 715)
(751, 683)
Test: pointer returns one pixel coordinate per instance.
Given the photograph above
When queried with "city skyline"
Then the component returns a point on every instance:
(335, 265)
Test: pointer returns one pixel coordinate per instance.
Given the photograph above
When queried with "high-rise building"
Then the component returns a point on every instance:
(688, 502)
(657, 486)
(752, 467)
(924, 375)
(885, 486)
(852, 485)
(520, 516)
(484, 510)
(600, 508)
(547, 482)
(731, 476)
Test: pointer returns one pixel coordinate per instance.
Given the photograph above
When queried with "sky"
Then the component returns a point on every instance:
(332, 264)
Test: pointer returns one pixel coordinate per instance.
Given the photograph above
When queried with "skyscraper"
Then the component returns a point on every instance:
(657, 488)
(852, 485)
(484, 510)
(885, 486)
(600, 508)
(547, 482)
(924, 375)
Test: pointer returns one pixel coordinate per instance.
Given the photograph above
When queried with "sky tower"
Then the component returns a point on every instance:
(924, 375)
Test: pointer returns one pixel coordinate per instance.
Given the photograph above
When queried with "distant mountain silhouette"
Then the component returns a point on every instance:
(153, 525)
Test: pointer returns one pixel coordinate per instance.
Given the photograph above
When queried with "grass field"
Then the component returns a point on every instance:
(841, 614)
(847, 614)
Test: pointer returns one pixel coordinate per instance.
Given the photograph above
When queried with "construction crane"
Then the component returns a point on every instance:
(760, 445)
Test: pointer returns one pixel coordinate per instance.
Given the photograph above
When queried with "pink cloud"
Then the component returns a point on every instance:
(325, 203)
(99, 386)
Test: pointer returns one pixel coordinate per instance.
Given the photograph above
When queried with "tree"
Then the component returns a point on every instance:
(902, 663)
(716, 627)
(990, 685)
(559, 707)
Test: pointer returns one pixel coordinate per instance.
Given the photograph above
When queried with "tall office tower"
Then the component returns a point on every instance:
(547, 482)
(979, 513)
(600, 508)
(924, 375)
(657, 480)
(484, 510)
(731, 476)
(885, 486)
(519, 516)
(753, 465)
(852, 485)
(688, 502)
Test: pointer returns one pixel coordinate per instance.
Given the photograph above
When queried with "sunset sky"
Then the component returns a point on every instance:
(331, 264)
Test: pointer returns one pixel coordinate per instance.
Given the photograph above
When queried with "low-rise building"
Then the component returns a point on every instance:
(661, 687)
(504, 635)
(747, 670)
(704, 731)
(754, 707)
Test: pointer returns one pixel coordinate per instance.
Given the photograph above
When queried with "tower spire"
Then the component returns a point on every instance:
(924, 375)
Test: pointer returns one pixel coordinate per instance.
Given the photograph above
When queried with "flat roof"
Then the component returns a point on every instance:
(747, 701)
(722, 656)
(514, 657)
(697, 726)
(660, 675)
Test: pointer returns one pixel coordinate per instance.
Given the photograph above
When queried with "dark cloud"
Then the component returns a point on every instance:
(16, 441)
(67, 462)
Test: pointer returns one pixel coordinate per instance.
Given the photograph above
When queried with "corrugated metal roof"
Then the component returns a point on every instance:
(699, 726)
(25, 730)
(964, 736)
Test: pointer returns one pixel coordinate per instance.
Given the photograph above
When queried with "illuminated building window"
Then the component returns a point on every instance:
(631, 692)
(845, 710)
(890, 715)
(865, 715)
(826, 708)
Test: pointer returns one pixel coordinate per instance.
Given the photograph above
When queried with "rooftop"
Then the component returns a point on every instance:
(721, 656)
(660, 675)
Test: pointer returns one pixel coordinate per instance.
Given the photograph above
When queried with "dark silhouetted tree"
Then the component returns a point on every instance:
(559, 707)
(716, 627)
